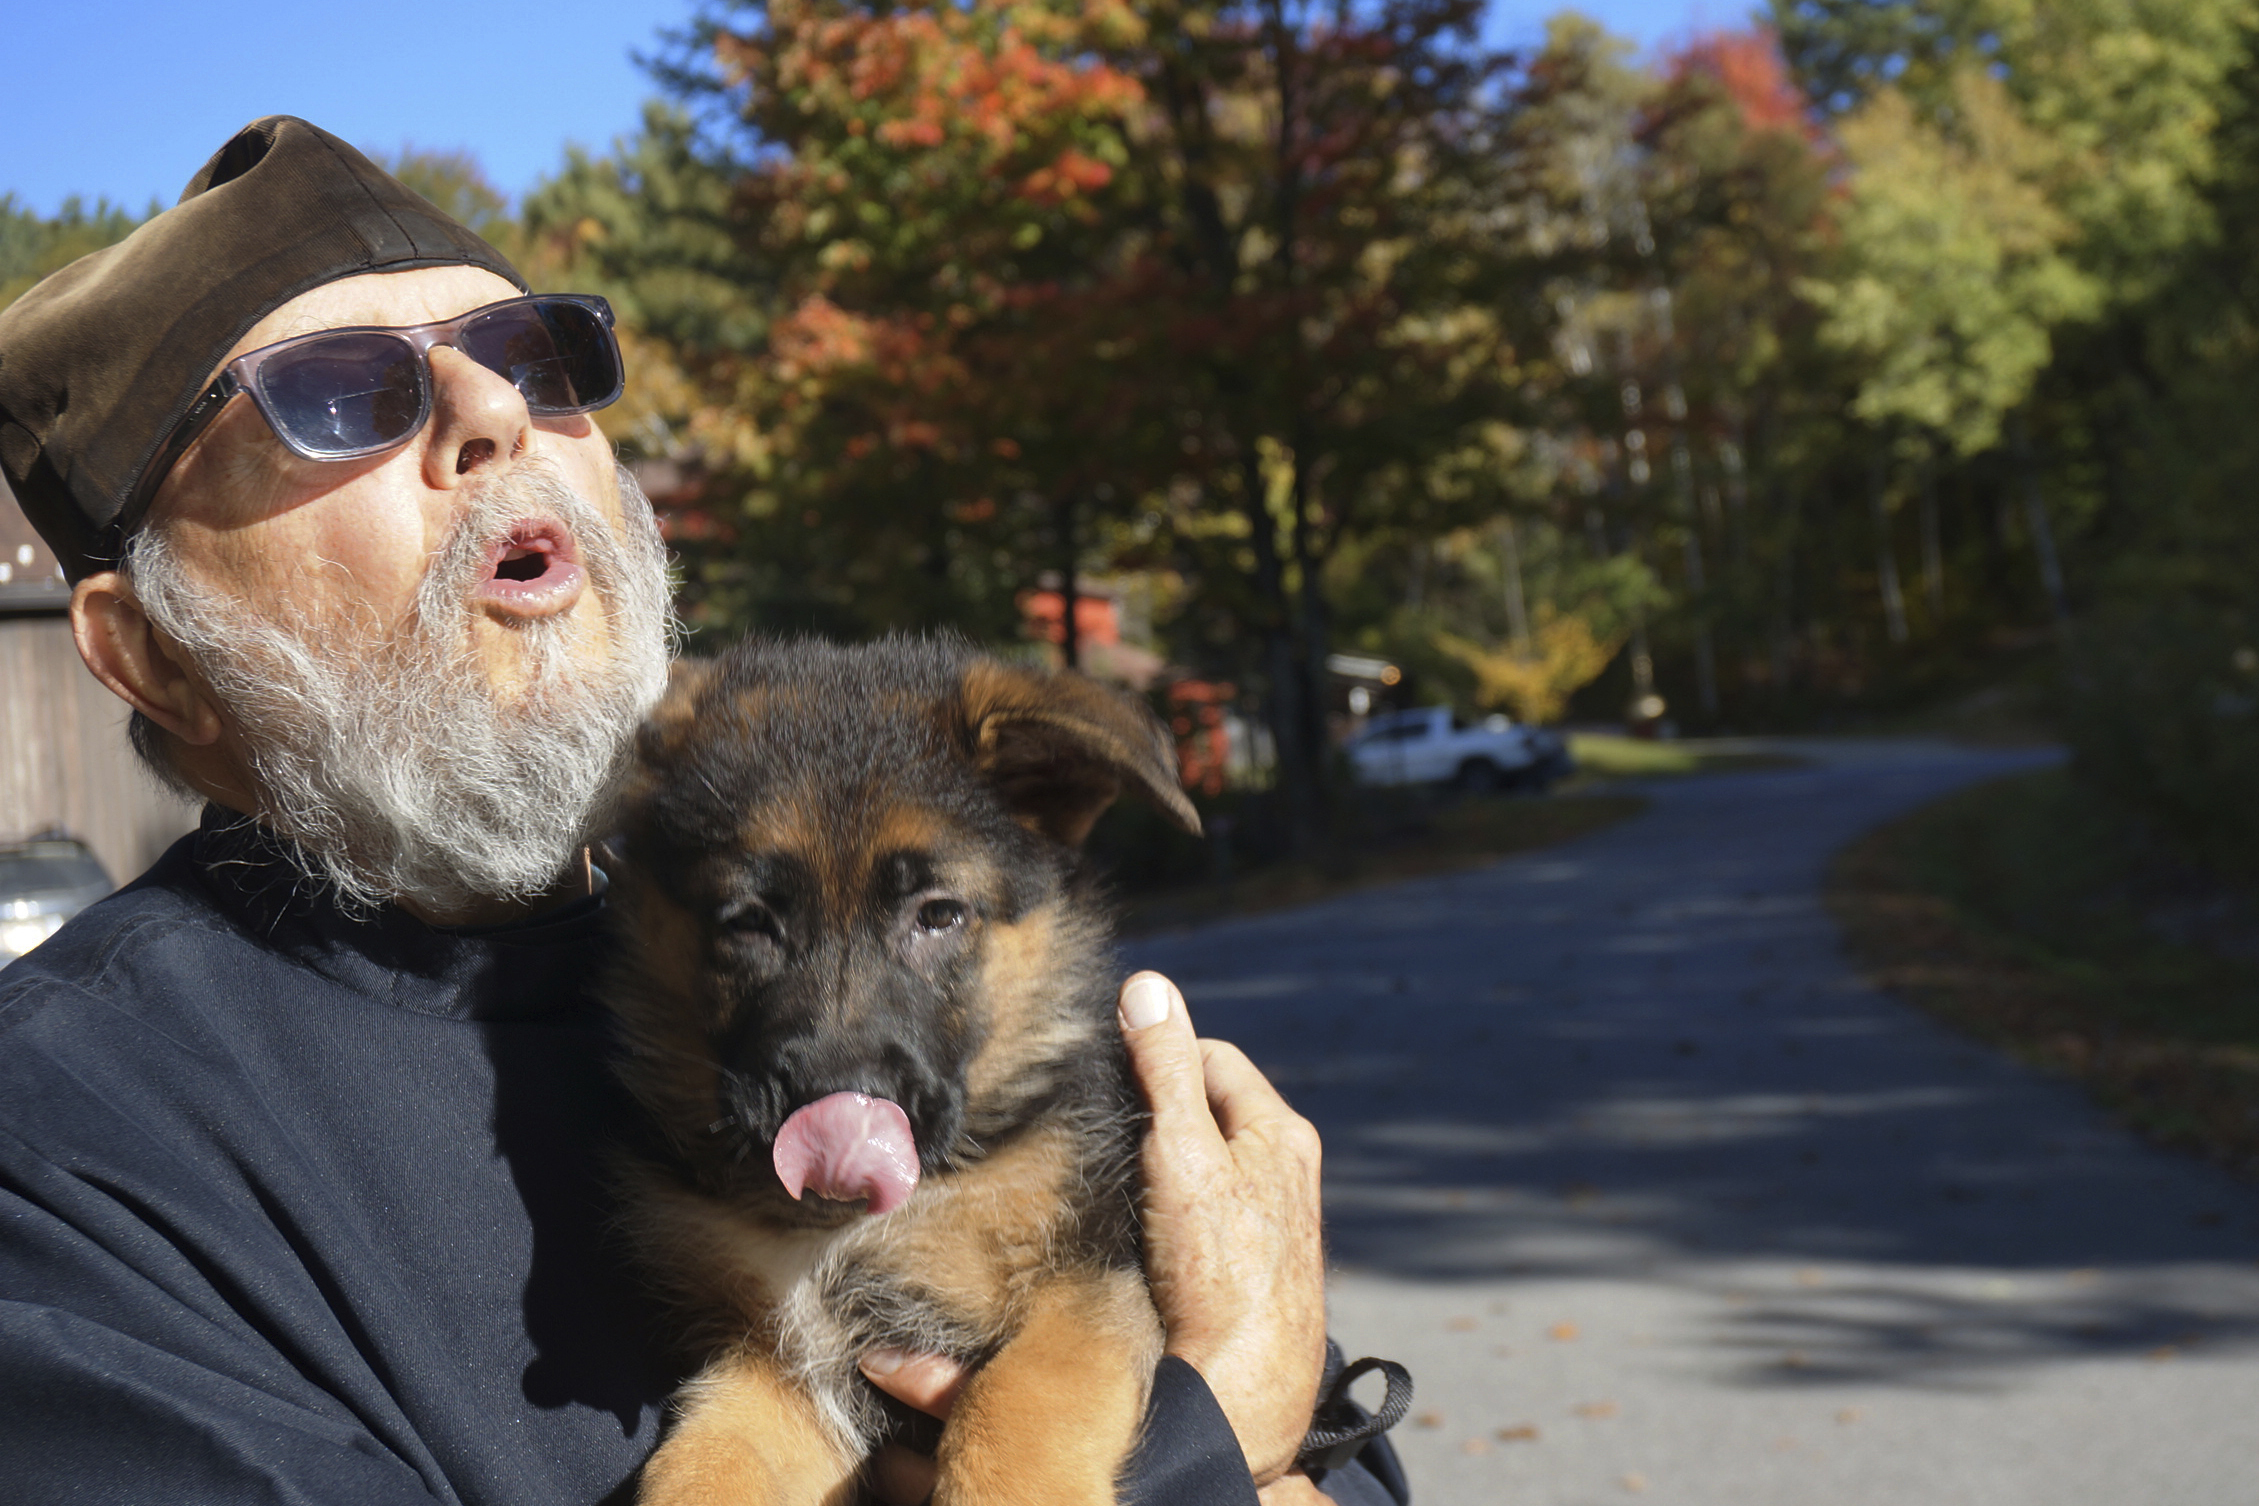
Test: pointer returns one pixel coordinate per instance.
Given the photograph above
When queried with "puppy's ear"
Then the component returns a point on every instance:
(1058, 747)
(670, 719)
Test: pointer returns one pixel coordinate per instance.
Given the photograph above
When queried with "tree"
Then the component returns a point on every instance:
(456, 182)
(1956, 267)
(33, 245)
(1207, 287)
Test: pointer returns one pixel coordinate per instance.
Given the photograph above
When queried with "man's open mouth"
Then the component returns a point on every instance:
(534, 571)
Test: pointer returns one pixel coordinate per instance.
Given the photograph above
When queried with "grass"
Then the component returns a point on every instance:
(2010, 714)
(2037, 915)
(1437, 834)
(1602, 755)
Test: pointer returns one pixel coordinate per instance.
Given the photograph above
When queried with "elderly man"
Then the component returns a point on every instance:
(301, 1134)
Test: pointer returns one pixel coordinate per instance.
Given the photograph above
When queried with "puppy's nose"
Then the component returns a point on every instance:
(815, 1069)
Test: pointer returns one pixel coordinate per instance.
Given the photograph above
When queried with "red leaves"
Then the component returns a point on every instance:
(1749, 67)
(995, 75)
(921, 130)
(820, 336)
(1001, 286)
(1073, 173)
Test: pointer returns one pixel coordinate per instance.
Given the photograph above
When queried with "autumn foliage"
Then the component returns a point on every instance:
(1804, 367)
(1749, 67)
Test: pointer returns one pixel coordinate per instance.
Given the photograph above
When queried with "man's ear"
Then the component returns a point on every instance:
(142, 667)
(1058, 747)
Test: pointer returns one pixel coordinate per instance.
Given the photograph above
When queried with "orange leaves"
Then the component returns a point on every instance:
(1072, 174)
(998, 92)
(913, 155)
(997, 75)
(822, 350)
(819, 336)
(901, 434)
(921, 130)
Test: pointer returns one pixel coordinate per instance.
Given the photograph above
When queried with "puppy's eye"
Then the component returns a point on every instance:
(941, 915)
(750, 918)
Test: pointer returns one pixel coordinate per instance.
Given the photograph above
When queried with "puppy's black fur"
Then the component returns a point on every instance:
(857, 869)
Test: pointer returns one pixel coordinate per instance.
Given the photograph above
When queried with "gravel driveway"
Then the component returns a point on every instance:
(1660, 1202)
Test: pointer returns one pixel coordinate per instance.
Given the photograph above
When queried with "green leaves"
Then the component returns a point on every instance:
(1955, 265)
(33, 245)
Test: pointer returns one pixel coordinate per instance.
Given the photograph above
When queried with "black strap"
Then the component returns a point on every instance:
(1340, 1428)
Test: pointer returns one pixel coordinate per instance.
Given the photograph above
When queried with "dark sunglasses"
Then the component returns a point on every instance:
(341, 394)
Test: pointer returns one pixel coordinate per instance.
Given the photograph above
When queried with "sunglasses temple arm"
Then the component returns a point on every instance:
(194, 422)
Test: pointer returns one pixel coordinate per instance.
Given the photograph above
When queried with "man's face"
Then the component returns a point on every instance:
(346, 545)
(427, 663)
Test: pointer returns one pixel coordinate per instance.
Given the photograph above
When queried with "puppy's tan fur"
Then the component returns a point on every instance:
(800, 817)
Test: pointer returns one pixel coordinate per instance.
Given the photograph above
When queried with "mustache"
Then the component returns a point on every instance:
(534, 491)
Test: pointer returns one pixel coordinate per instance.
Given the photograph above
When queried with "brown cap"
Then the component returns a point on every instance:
(99, 362)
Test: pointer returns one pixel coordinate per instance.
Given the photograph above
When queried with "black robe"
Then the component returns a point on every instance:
(299, 1207)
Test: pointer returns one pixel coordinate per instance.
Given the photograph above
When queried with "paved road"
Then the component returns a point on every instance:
(1661, 1203)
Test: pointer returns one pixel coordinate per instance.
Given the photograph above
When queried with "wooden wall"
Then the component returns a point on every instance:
(64, 759)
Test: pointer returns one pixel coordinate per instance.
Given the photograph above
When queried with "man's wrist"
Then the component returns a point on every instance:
(1187, 1453)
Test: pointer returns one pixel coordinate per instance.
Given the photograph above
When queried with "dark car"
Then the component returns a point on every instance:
(44, 882)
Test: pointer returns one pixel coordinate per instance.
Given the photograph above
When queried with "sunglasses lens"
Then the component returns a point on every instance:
(559, 354)
(346, 394)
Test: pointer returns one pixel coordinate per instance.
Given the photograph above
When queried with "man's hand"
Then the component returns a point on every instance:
(1232, 1249)
(1232, 1233)
(1294, 1489)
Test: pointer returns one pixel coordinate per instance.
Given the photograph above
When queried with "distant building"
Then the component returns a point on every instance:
(1100, 651)
(65, 765)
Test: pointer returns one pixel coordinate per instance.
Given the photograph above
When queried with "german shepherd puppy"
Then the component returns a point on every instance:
(867, 997)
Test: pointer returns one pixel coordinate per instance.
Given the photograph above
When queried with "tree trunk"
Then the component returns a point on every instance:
(1642, 657)
(1297, 785)
(1737, 497)
(1886, 558)
(2043, 534)
(1517, 608)
(1697, 583)
(1933, 552)
(1311, 620)
(1070, 638)
(1300, 675)
(1784, 598)
(1705, 648)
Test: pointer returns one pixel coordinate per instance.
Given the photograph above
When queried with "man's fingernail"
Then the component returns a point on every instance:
(1146, 1002)
(880, 1362)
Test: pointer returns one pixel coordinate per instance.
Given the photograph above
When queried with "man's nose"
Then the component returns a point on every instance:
(478, 420)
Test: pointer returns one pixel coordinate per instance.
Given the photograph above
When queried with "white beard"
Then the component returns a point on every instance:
(391, 764)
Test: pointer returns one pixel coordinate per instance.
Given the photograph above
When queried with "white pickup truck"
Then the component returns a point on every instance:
(1432, 745)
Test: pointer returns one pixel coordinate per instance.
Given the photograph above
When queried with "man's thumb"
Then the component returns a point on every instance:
(1164, 1052)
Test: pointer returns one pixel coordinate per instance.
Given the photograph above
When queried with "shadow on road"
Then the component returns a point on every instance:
(1643, 1057)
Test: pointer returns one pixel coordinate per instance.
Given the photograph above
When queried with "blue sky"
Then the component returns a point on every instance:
(126, 98)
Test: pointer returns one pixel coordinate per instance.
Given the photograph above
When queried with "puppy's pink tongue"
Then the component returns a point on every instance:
(849, 1146)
